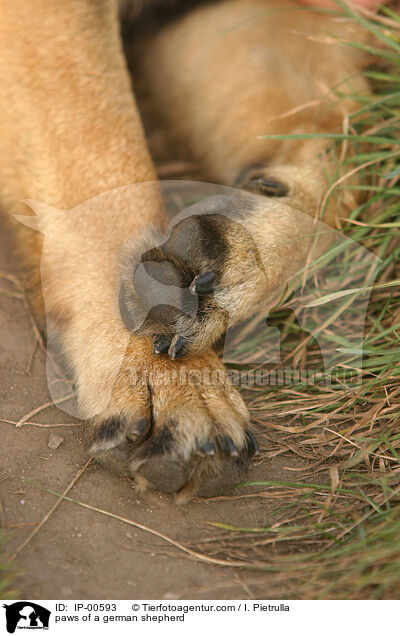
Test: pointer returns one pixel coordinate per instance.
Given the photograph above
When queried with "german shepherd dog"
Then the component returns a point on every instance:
(218, 75)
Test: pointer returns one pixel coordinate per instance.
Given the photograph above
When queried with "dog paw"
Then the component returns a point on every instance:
(181, 425)
(208, 272)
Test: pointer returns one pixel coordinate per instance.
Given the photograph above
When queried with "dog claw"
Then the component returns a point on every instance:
(268, 187)
(228, 447)
(161, 344)
(252, 445)
(208, 448)
(203, 284)
(137, 430)
(177, 348)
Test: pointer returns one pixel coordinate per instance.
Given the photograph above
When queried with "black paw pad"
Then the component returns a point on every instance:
(220, 484)
(115, 459)
(165, 474)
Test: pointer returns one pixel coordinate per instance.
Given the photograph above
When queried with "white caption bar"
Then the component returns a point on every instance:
(175, 617)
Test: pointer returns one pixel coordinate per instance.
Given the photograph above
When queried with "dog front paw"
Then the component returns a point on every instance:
(182, 426)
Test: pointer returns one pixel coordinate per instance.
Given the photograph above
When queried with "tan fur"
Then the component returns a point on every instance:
(70, 131)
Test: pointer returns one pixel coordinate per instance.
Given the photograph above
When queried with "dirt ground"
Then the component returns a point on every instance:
(78, 553)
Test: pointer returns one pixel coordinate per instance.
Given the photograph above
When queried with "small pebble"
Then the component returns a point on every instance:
(55, 441)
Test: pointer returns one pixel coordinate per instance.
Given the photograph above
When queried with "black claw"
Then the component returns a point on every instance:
(208, 448)
(252, 445)
(203, 284)
(269, 187)
(273, 188)
(138, 429)
(228, 446)
(161, 344)
(177, 348)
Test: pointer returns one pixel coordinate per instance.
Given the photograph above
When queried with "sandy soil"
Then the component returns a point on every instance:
(78, 553)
